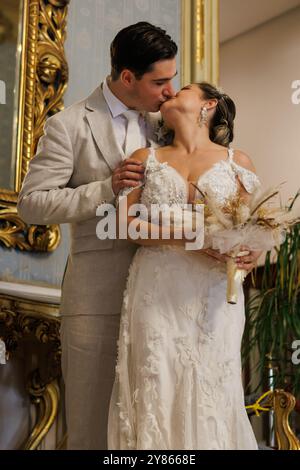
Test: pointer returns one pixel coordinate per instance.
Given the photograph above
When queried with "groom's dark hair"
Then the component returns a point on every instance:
(138, 46)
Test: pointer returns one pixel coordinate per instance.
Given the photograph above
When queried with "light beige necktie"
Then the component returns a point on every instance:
(133, 140)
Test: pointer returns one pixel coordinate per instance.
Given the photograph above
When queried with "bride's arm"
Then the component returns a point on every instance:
(244, 161)
(247, 262)
(155, 234)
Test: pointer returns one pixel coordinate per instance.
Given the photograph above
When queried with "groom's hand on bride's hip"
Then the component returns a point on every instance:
(128, 174)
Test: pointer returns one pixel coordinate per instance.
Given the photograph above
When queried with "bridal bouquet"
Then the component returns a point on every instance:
(257, 223)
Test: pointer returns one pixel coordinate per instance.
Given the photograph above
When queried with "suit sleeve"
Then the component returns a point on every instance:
(44, 198)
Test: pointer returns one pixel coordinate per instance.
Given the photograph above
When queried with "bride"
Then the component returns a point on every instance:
(178, 378)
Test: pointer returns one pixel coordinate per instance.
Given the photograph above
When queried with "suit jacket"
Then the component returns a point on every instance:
(68, 178)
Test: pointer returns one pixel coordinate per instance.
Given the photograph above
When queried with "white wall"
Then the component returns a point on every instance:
(257, 69)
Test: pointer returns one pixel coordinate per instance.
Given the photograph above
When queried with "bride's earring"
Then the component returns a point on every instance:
(203, 117)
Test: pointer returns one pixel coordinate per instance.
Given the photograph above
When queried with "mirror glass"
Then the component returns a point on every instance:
(10, 50)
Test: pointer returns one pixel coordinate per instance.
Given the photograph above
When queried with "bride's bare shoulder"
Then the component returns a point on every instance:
(242, 159)
(140, 155)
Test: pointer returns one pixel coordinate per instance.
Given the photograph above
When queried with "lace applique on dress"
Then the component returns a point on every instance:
(178, 375)
(249, 179)
(162, 184)
(220, 180)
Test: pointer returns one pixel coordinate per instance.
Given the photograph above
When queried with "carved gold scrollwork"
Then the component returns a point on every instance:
(15, 233)
(284, 403)
(46, 398)
(20, 318)
(43, 81)
(52, 68)
(46, 71)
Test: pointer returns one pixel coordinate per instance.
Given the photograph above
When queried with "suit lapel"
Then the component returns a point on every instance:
(98, 116)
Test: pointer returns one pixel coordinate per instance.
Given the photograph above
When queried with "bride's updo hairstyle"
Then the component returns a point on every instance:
(221, 125)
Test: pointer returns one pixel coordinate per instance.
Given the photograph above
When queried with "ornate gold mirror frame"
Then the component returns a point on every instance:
(42, 83)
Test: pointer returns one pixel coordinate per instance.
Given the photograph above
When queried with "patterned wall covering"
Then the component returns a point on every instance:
(92, 24)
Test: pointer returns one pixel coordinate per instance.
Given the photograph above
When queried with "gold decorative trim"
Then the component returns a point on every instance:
(282, 403)
(14, 233)
(21, 318)
(199, 41)
(46, 399)
(28, 77)
(43, 81)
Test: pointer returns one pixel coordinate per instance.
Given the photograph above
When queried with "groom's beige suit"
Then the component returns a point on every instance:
(69, 177)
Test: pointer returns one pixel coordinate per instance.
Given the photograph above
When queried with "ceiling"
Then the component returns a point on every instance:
(239, 16)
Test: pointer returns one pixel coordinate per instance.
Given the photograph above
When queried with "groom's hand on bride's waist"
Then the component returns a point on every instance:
(129, 173)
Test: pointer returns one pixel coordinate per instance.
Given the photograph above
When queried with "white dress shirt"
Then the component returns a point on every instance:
(119, 121)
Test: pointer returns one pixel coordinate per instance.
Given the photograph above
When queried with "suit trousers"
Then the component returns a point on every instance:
(89, 354)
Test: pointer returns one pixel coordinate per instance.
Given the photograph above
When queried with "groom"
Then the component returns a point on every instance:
(81, 162)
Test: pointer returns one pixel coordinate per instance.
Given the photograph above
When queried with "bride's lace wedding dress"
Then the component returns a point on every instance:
(178, 375)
